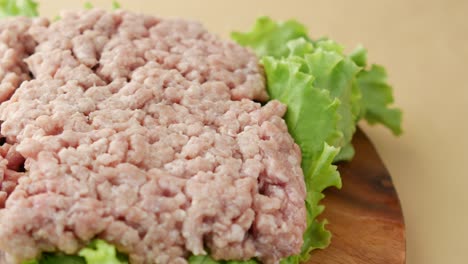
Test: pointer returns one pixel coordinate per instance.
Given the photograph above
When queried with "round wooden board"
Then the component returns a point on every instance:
(365, 216)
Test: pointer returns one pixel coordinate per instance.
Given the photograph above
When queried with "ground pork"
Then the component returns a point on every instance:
(143, 132)
(15, 45)
(10, 165)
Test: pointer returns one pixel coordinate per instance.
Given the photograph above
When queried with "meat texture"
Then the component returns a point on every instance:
(15, 45)
(144, 132)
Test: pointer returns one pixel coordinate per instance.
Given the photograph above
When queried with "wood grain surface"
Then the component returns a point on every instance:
(365, 216)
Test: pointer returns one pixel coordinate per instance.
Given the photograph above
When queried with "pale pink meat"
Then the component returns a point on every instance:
(10, 165)
(15, 45)
(144, 132)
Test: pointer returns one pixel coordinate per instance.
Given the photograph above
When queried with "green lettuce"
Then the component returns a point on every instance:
(97, 252)
(27, 8)
(322, 175)
(363, 93)
(88, 5)
(376, 98)
(100, 252)
(335, 73)
(314, 122)
(327, 93)
(268, 37)
(310, 109)
(116, 5)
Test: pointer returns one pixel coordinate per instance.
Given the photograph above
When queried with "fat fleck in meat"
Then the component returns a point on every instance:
(143, 132)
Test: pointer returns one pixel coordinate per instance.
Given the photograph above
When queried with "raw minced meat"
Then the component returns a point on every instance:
(10, 171)
(144, 132)
(15, 45)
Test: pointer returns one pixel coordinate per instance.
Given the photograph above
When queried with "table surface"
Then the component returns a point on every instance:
(424, 46)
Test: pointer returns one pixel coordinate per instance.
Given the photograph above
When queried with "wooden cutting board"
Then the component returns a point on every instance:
(365, 216)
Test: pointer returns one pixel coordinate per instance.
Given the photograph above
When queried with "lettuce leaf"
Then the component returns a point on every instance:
(97, 252)
(327, 93)
(313, 120)
(335, 73)
(88, 6)
(376, 98)
(363, 93)
(312, 115)
(376, 94)
(27, 8)
(322, 175)
(100, 252)
(324, 59)
(268, 38)
(116, 5)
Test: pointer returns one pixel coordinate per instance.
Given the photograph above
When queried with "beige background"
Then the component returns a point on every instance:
(424, 45)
